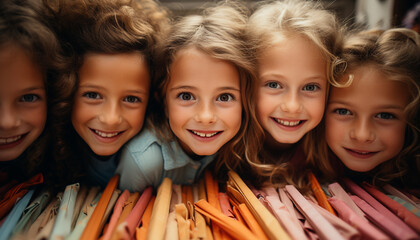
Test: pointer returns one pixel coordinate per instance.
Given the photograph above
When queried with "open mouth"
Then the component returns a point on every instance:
(288, 123)
(13, 139)
(205, 134)
(106, 134)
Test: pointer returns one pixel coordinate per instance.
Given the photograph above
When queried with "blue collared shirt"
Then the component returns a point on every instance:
(146, 160)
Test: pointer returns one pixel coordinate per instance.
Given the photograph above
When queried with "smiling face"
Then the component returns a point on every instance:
(23, 102)
(292, 90)
(203, 102)
(365, 123)
(111, 99)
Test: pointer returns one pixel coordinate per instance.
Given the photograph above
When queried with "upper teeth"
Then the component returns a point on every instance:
(288, 123)
(204, 134)
(363, 153)
(107, 135)
(10, 140)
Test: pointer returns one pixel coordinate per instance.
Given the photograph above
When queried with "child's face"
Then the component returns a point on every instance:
(292, 89)
(23, 102)
(203, 102)
(365, 123)
(111, 99)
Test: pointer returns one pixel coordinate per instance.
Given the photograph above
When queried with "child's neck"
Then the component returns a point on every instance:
(273, 147)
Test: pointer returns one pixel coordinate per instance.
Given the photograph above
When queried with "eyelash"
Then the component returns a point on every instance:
(184, 94)
(95, 95)
(379, 115)
(270, 85)
(191, 97)
(136, 99)
(275, 85)
(89, 95)
(388, 115)
(340, 111)
(34, 98)
(316, 87)
(230, 97)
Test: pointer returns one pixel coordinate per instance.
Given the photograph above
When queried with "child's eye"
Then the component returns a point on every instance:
(225, 97)
(342, 111)
(185, 96)
(132, 99)
(92, 95)
(273, 85)
(29, 98)
(311, 87)
(385, 115)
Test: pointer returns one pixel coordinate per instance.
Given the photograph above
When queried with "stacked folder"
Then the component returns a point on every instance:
(204, 211)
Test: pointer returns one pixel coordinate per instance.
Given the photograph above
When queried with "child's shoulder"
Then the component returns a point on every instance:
(142, 141)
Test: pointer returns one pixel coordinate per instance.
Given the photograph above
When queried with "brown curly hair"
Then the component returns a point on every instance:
(96, 26)
(22, 23)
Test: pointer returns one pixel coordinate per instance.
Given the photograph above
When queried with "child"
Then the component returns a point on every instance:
(295, 43)
(204, 97)
(29, 57)
(373, 125)
(105, 93)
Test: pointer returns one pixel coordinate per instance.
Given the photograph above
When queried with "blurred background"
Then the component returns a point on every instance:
(382, 14)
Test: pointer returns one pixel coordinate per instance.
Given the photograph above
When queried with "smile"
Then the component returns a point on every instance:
(288, 123)
(104, 134)
(10, 139)
(359, 153)
(204, 135)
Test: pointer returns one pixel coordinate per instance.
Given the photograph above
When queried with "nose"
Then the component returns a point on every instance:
(362, 131)
(205, 113)
(8, 117)
(291, 103)
(111, 114)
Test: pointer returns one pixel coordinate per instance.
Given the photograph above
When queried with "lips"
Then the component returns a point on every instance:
(288, 123)
(9, 142)
(361, 153)
(10, 139)
(205, 134)
(106, 136)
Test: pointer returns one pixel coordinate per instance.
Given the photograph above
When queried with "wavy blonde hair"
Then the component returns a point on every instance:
(219, 33)
(310, 20)
(396, 53)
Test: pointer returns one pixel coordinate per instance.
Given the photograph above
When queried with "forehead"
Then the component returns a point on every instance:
(123, 67)
(371, 86)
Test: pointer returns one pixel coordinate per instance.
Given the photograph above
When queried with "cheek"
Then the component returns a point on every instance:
(317, 107)
(176, 116)
(333, 130)
(38, 117)
(136, 119)
(235, 118)
(394, 139)
(263, 106)
(81, 113)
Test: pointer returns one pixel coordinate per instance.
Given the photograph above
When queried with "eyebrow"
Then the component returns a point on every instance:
(194, 88)
(32, 88)
(273, 74)
(101, 88)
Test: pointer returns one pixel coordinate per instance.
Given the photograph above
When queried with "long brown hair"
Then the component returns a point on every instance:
(22, 24)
